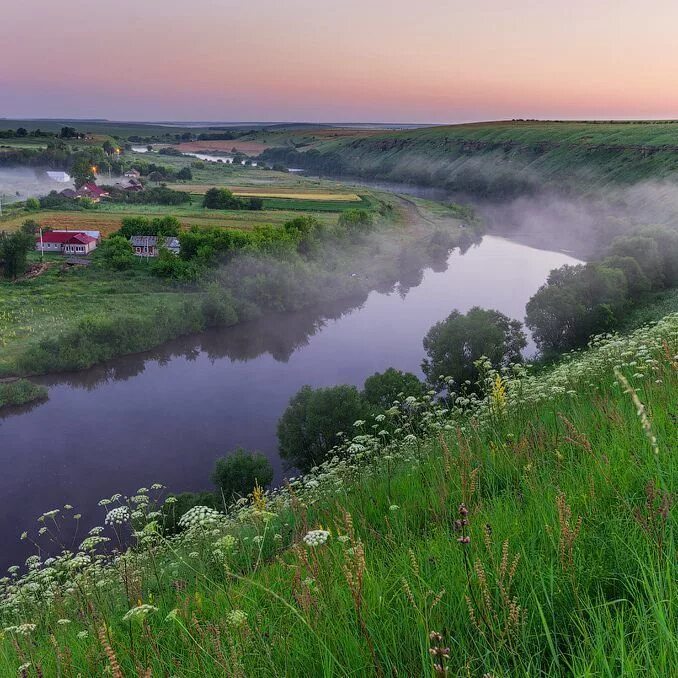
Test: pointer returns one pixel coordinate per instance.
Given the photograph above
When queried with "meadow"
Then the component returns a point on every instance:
(525, 529)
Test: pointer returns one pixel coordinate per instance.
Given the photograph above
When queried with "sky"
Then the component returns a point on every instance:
(430, 61)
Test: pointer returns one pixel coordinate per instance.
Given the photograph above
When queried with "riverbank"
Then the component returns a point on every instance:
(72, 319)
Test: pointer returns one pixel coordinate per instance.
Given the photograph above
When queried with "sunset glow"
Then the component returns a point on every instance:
(432, 61)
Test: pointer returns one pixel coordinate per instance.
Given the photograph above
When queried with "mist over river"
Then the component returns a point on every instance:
(166, 415)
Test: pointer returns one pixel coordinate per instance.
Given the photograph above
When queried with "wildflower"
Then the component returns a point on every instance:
(117, 516)
(139, 612)
(236, 618)
(200, 516)
(21, 629)
(172, 615)
(63, 622)
(83, 634)
(316, 537)
(393, 507)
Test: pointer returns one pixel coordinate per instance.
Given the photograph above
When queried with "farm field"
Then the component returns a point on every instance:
(108, 219)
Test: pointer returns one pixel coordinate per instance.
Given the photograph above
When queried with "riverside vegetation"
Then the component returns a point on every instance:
(524, 527)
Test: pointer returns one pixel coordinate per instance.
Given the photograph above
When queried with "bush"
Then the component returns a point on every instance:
(454, 344)
(237, 474)
(311, 424)
(116, 253)
(20, 392)
(381, 390)
(32, 204)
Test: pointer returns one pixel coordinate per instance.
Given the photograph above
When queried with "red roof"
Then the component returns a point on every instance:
(74, 237)
(91, 188)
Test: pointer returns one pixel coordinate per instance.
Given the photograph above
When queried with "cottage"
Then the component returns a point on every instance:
(92, 234)
(61, 177)
(92, 191)
(66, 242)
(132, 174)
(68, 193)
(148, 246)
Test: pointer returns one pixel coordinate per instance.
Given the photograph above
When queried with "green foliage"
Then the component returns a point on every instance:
(454, 344)
(355, 221)
(223, 199)
(20, 392)
(160, 226)
(32, 204)
(311, 424)
(31, 227)
(116, 253)
(575, 302)
(155, 195)
(185, 174)
(237, 474)
(14, 249)
(382, 389)
(220, 199)
(82, 171)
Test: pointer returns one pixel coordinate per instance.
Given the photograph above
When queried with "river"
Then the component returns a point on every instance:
(165, 416)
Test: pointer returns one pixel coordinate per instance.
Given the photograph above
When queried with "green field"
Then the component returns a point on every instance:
(530, 533)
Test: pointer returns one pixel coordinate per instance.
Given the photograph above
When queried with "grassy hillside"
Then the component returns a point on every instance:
(530, 531)
(503, 159)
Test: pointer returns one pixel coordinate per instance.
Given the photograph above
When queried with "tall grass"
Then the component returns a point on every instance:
(527, 532)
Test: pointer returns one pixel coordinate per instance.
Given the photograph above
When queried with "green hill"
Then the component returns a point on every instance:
(501, 159)
(529, 530)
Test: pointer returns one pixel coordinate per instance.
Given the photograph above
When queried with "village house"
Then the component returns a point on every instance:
(132, 174)
(61, 177)
(147, 245)
(66, 242)
(92, 191)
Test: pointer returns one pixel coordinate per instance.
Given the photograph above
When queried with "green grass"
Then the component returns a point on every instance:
(570, 568)
(46, 306)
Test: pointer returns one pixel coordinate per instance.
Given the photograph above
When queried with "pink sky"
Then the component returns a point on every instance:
(374, 60)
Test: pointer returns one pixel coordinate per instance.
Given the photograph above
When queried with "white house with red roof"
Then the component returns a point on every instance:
(66, 242)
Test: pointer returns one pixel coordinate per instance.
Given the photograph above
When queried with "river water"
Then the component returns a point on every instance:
(165, 416)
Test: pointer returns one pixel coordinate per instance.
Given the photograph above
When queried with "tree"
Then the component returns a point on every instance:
(355, 221)
(185, 174)
(108, 147)
(575, 302)
(310, 426)
(22, 132)
(30, 226)
(116, 253)
(32, 204)
(236, 474)
(382, 389)
(14, 249)
(645, 251)
(220, 199)
(68, 133)
(454, 344)
(82, 171)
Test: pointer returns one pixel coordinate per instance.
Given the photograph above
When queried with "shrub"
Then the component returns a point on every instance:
(236, 474)
(454, 344)
(311, 424)
(382, 389)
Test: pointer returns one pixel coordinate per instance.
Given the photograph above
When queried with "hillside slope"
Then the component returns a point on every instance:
(500, 159)
(530, 531)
